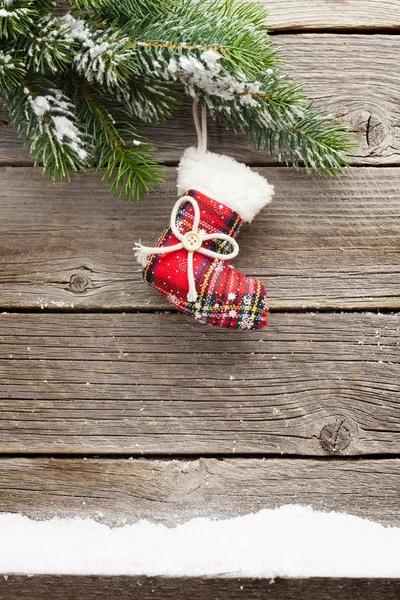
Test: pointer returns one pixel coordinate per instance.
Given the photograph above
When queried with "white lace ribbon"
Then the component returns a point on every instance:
(192, 241)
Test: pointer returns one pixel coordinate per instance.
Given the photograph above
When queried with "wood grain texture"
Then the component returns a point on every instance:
(321, 243)
(121, 491)
(301, 15)
(311, 384)
(65, 587)
(354, 77)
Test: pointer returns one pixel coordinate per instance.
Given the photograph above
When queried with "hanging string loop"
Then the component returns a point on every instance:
(201, 129)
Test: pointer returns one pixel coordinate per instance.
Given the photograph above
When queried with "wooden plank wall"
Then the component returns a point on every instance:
(104, 387)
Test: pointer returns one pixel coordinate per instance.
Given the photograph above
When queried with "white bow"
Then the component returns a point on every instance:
(192, 241)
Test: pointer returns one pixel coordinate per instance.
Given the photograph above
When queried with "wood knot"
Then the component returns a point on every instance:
(335, 437)
(79, 283)
(373, 131)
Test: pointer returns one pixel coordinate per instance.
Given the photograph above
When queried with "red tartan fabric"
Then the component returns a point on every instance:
(226, 298)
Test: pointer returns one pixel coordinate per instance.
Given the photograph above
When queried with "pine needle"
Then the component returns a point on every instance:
(78, 87)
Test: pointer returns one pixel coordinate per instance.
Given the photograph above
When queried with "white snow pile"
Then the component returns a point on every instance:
(290, 541)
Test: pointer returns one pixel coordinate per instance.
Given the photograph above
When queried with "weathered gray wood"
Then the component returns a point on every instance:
(171, 492)
(11, 147)
(321, 243)
(311, 384)
(353, 76)
(66, 587)
(333, 14)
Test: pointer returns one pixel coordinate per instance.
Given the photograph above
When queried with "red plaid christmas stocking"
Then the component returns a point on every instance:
(190, 262)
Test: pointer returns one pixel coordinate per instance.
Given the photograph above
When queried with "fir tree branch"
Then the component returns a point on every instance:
(43, 116)
(147, 100)
(235, 29)
(131, 8)
(12, 71)
(50, 45)
(102, 56)
(125, 158)
(310, 138)
(227, 59)
(141, 55)
(107, 59)
(273, 114)
(17, 18)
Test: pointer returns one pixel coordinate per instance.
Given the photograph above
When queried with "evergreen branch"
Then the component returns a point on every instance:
(43, 116)
(149, 101)
(182, 46)
(272, 112)
(17, 17)
(125, 158)
(103, 57)
(50, 46)
(45, 7)
(129, 8)
(310, 139)
(140, 55)
(107, 59)
(12, 71)
(216, 39)
(235, 29)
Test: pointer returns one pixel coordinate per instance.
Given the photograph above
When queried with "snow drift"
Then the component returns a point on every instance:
(291, 541)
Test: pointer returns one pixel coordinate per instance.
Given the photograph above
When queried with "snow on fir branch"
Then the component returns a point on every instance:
(53, 113)
(50, 49)
(119, 64)
(50, 129)
(205, 75)
(11, 70)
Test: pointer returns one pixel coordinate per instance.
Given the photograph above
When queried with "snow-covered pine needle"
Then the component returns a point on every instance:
(48, 124)
(12, 71)
(51, 46)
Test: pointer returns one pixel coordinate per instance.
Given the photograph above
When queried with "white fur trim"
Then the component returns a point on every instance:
(224, 179)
